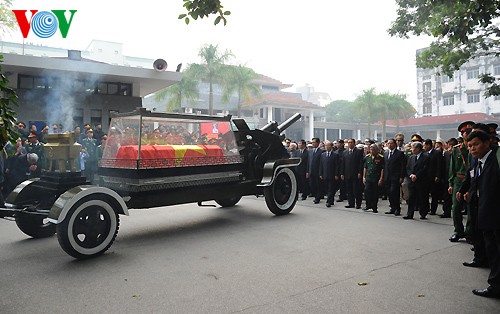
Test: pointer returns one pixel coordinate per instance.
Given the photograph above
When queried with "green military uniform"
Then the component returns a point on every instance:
(459, 163)
(373, 168)
(38, 149)
(90, 144)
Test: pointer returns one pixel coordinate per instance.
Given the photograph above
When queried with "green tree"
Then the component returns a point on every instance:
(240, 79)
(343, 111)
(203, 8)
(366, 104)
(462, 30)
(185, 89)
(212, 69)
(7, 19)
(392, 107)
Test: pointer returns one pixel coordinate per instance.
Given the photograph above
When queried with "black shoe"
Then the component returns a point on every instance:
(358, 207)
(432, 213)
(475, 264)
(315, 202)
(328, 205)
(407, 217)
(366, 208)
(398, 214)
(349, 206)
(455, 238)
(445, 216)
(375, 211)
(390, 213)
(340, 200)
(304, 198)
(423, 218)
(489, 292)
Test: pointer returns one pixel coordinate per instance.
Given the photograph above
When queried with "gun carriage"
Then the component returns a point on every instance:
(193, 160)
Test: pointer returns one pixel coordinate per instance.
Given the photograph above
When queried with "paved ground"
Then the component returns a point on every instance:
(187, 259)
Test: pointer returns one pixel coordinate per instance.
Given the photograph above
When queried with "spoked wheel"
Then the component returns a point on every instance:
(89, 228)
(281, 196)
(35, 226)
(228, 202)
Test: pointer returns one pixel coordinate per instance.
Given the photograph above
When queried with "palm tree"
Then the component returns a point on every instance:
(212, 69)
(185, 89)
(366, 104)
(393, 106)
(403, 110)
(240, 79)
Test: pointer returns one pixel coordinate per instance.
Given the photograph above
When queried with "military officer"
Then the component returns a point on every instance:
(373, 175)
(89, 144)
(36, 147)
(459, 163)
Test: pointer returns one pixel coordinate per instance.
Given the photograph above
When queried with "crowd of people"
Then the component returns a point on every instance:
(462, 174)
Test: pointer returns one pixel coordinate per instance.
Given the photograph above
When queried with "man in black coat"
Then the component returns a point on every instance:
(352, 174)
(435, 168)
(418, 177)
(313, 169)
(329, 171)
(302, 169)
(485, 184)
(340, 185)
(394, 172)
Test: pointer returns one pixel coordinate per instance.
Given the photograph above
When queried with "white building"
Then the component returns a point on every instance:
(461, 93)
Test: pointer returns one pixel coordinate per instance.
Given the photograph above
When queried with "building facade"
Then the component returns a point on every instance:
(462, 93)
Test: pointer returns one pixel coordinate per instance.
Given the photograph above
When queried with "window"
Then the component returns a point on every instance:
(261, 113)
(496, 70)
(472, 98)
(427, 109)
(25, 82)
(426, 77)
(497, 97)
(446, 79)
(426, 87)
(448, 100)
(125, 89)
(472, 74)
(95, 117)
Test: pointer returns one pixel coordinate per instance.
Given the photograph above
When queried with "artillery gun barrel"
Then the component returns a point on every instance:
(270, 127)
(282, 127)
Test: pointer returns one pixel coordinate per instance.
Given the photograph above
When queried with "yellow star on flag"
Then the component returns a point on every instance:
(180, 150)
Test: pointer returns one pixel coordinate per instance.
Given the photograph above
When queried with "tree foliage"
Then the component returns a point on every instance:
(240, 79)
(185, 90)
(8, 99)
(462, 30)
(7, 19)
(204, 8)
(343, 111)
(212, 69)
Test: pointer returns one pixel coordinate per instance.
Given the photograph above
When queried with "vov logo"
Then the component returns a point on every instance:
(44, 23)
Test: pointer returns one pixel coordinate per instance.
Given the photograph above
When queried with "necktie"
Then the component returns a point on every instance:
(328, 154)
(390, 155)
(479, 168)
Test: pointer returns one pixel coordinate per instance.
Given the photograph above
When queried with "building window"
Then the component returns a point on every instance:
(427, 87)
(496, 70)
(95, 117)
(125, 89)
(25, 82)
(473, 98)
(472, 74)
(426, 77)
(261, 113)
(446, 79)
(448, 100)
(427, 109)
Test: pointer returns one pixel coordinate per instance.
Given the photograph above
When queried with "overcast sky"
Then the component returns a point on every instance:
(339, 47)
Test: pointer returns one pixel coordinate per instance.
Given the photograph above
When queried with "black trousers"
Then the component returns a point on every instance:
(477, 236)
(418, 200)
(393, 188)
(329, 185)
(436, 191)
(447, 201)
(371, 194)
(314, 184)
(492, 244)
(354, 188)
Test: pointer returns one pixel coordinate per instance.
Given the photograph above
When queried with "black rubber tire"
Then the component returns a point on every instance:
(228, 202)
(281, 196)
(89, 228)
(34, 226)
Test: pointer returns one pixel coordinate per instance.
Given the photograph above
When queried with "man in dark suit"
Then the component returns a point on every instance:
(302, 169)
(314, 159)
(417, 172)
(352, 174)
(485, 184)
(394, 172)
(329, 171)
(435, 168)
(340, 185)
